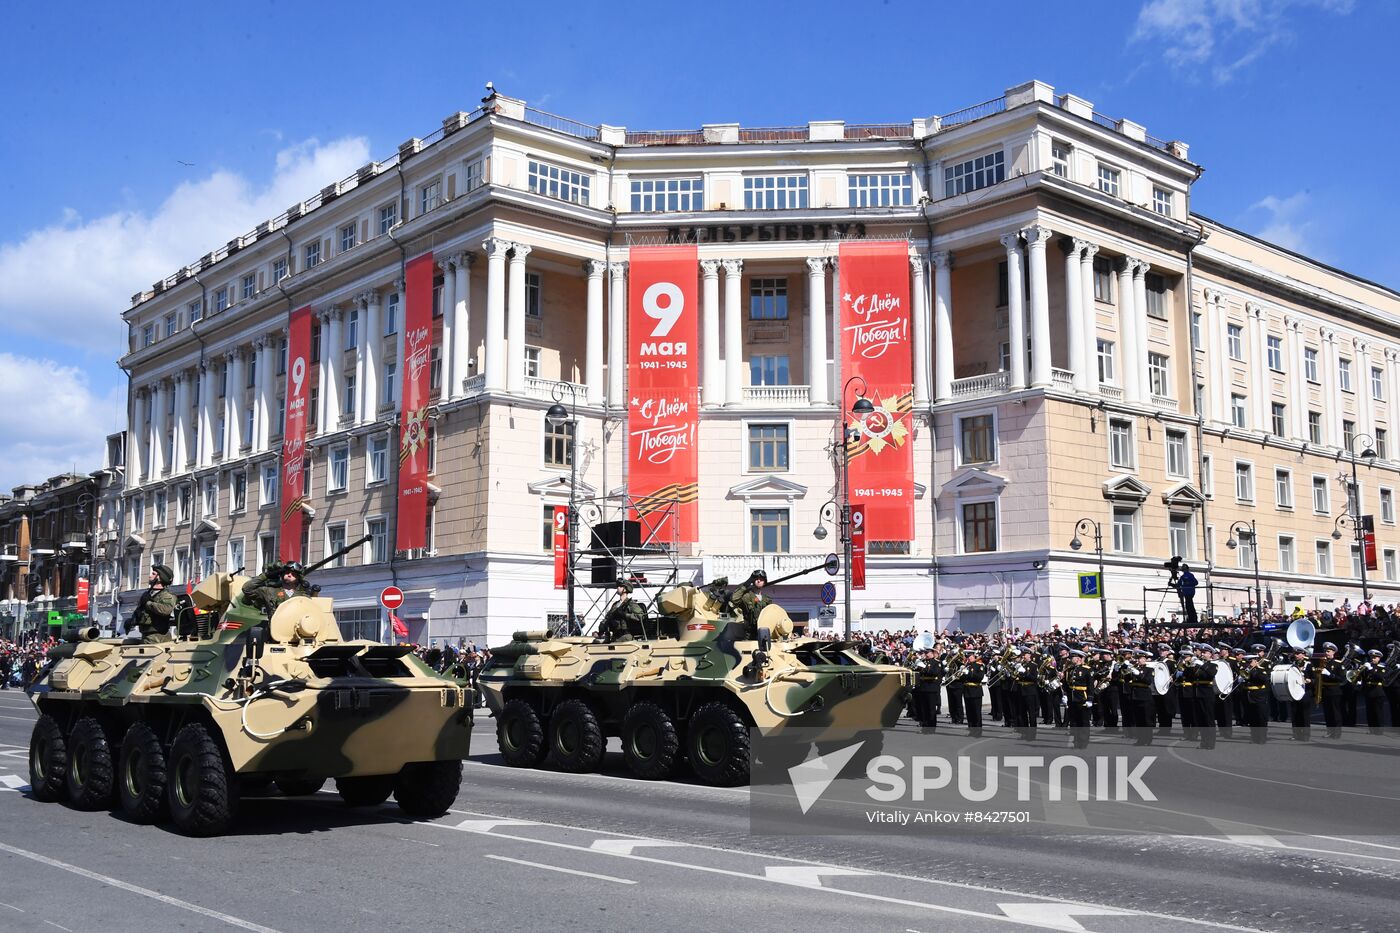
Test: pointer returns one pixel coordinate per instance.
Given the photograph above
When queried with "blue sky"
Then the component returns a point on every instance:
(1286, 104)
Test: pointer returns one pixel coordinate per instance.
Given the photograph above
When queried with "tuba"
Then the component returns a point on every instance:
(955, 668)
(1301, 634)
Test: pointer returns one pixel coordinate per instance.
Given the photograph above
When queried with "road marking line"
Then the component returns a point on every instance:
(1057, 916)
(11, 906)
(60, 926)
(12, 781)
(421, 842)
(809, 875)
(625, 846)
(136, 889)
(567, 871)
(485, 826)
(18, 718)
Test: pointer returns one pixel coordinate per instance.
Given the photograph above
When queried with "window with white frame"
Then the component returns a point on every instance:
(1382, 444)
(1275, 353)
(1287, 554)
(534, 284)
(1355, 553)
(390, 393)
(238, 491)
(1348, 432)
(1387, 498)
(1278, 419)
(338, 475)
(558, 443)
(1121, 453)
(211, 498)
(1322, 499)
(1004, 356)
(1155, 289)
(972, 174)
(669, 194)
(532, 362)
(1196, 343)
(1106, 368)
(236, 555)
(1234, 339)
(352, 329)
(196, 310)
(547, 527)
(1344, 374)
(1388, 562)
(159, 512)
(430, 195)
(977, 438)
(475, 173)
(221, 299)
(184, 504)
(267, 549)
(347, 237)
(138, 512)
(768, 448)
(269, 483)
(1377, 384)
(1103, 280)
(769, 531)
(1244, 550)
(250, 285)
(148, 335)
(435, 366)
(377, 459)
(979, 527)
(1157, 374)
(1177, 465)
(311, 255)
(1244, 482)
(1110, 180)
(1323, 557)
(391, 314)
(881, 189)
(768, 299)
(378, 550)
(1283, 489)
(1315, 427)
(774, 192)
(1237, 410)
(769, 370)
(279, 270)
(1125, 531)
(335, 541)
(1059, 158)
(206, 560)
(1181, 541)
(172, 324)
(1353, 498)
(347, 406)
(1207, 475)
(554, 181)
(1162, 201)
(388, 217)
(282, 356)
(1310, 364)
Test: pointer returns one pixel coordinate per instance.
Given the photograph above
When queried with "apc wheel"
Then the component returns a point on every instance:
(199, 787)
(48, 761)
(717, 744)
(650, 742)
(89, 773)
(369, 791)
(425, 789)
(141, 775)
(520, 734)
(300, 787)
(575, 738)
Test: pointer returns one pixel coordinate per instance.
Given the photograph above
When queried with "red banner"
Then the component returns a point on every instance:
(294, 435)
(1369, 550)
(561, 547)
(663, 390)
(857, 569)
(875, 346)
(82, 594)
(416, 395)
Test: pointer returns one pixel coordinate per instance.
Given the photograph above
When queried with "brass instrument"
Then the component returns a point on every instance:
(955, 667)
(1317, 682)
(1102, 684)
(1048, 675)
(1392, 664)
(1003, 667)
(1352, 659)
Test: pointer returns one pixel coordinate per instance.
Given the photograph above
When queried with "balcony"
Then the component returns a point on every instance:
(980, 386)
(737, 567)
(1111, 392)
(778, 396)
(1062, 379)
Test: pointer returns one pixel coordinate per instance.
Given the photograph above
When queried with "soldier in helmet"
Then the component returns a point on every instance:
(275, 585)
(621, 617)
(155, 612)
(749, 599)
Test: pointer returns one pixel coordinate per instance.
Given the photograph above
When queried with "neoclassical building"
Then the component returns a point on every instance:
(1085, 346)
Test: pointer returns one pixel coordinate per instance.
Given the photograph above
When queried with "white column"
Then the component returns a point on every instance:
(1091, 316)
(816, 329)
(1392, 400)
(496, 249)
(447, 362)
(205, 454)
(373, 343)
(1259, 413)
(1297, 391)
(461, 326)
(156, 445)
(837, 377)
(712, 372)
(1127, 332)
(617, 335)
(136, 438)
(335, 367)
(1015, 311)
(1140, 270)
(179, 449)
(1331, 391)
(1074, 314)
(262, 422)
(1365, 400)
(1040, 304)
(515, 320)
(1220, 356)
(233, 405)
(323, 378)
(919, 331)
(942, 325)
(593, 347)
(733, 333)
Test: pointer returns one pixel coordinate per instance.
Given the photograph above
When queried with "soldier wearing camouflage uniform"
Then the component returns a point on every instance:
(620, 619)
(155, 612)
(749, 600)
(275, 585)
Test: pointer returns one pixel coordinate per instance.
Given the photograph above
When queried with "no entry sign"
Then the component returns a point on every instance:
(391, 597)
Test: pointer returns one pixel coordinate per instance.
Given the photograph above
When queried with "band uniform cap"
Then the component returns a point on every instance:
(1374, 653)
(1328, 646)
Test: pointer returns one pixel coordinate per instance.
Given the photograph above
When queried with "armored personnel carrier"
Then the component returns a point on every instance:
(688, 685)
(183, 727)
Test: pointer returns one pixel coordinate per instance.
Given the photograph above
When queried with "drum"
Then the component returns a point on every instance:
(1287, 681)
(1224, 678)
(1161, 677)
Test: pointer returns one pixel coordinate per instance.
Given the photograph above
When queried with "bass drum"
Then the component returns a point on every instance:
(1161, 677)
(1287, 682)
(1224, 678)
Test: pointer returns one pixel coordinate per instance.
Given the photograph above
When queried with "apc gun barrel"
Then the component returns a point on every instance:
(797, 573)
(338, 554)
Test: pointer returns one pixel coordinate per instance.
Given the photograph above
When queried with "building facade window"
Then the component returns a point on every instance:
(1377, 384)
(377, 465)
(668, 194)
(269, 484)
(338, 476)
(775, 192)
(475, 173)
(1162, 201)
(979, 521)
(1348, 433)
(884, 189)
(1059, 158)
(250, 286)
(1283, 489)
(1155, 287)
(378, 550)
(1387, 499)
(1315, 427)
(768, 447)
(768, 299)
(238, 491)
(1125, 536)
(1103, 280)
(1287, 554)
(347, 237)
(1120, 444)
(1181, 541)
(769, 371)
(335, 541)
(1382, 444)
(430, 195)
(196, 310)
(1176, 455)
(558, 443)
(1322, 500)
(768, 531)
(977, 440)
(532, 363)
(534, 290)
(311, 255)
(1234, 339)
(973, 174)
(221, 299)
(1244, 482)
(388, 217)
(1275, 353)
(1344, 374)
(1323, 558)
(1237, 411)
(1310, 364)
(1110, 180)
(1106, 368)
(1157, 375)
(1277, 419)
(553, 181)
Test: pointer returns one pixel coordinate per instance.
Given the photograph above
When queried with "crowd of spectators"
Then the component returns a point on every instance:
(20, 661)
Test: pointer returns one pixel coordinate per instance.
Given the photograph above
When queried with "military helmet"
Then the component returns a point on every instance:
(625, 586)
(758, 575)
(294, 566)
(164, 574)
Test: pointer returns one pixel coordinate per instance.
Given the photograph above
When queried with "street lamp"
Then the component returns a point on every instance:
(849, 433)
(558, 415)
(1232, 542)
(83, 502)
(1082, 527)
(1358, 521)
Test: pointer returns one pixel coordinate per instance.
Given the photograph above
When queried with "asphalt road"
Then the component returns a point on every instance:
(539, 850)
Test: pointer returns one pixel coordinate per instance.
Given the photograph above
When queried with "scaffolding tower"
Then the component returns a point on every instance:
(621, 538)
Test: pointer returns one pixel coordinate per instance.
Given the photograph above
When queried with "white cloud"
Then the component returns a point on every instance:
(61, 425)
(1221, 37)
(69, 282)
(1284, 223)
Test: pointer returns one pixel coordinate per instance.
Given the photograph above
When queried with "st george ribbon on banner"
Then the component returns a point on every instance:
(293, 492)
(876, 346)
(663, 373)
(412, 520)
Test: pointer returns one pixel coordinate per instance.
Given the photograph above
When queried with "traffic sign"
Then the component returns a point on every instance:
(828, 593)
(1089, 586)
(832, 564)
(391, 597)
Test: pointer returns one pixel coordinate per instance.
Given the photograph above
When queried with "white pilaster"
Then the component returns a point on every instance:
(496, 250)
(396, 288)
(712, 371)
(1297, 393)
(920, 320)
(262, 419)
(515, 320)
(461, 326)
(233, 405)
(733, 333)
(1392, 401)
(135, 432)
(205, 453)
(1090, 317)
(373, 343)
(1036, 236)
(943, 325)
(593, 347)
(1074, 314)
(1127, 332)
(1258, 367)
(816, 329)
(1140, 270)
(1220, 356)
(1365, 400)
(1015, 311)
(179, 450)
(1331, 389)
(447, 363)
(617, 335)
(335, 368)
(156, 445)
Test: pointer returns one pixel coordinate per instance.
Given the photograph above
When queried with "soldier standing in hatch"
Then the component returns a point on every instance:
(749, 599)
(275, 585)
(155, 612)
(620, 618)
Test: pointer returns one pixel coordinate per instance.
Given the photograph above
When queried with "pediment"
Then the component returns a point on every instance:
(973, 481)
(134, 541)
(559, 486)
(1184, 496)
(1126, 489)
(768, 487)
(207, 526)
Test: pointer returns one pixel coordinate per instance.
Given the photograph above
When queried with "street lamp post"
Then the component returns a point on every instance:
(1082, 527)
(558, 415)
(1232, 542)
(861, 407)
(84, 502)
(1354, 505)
